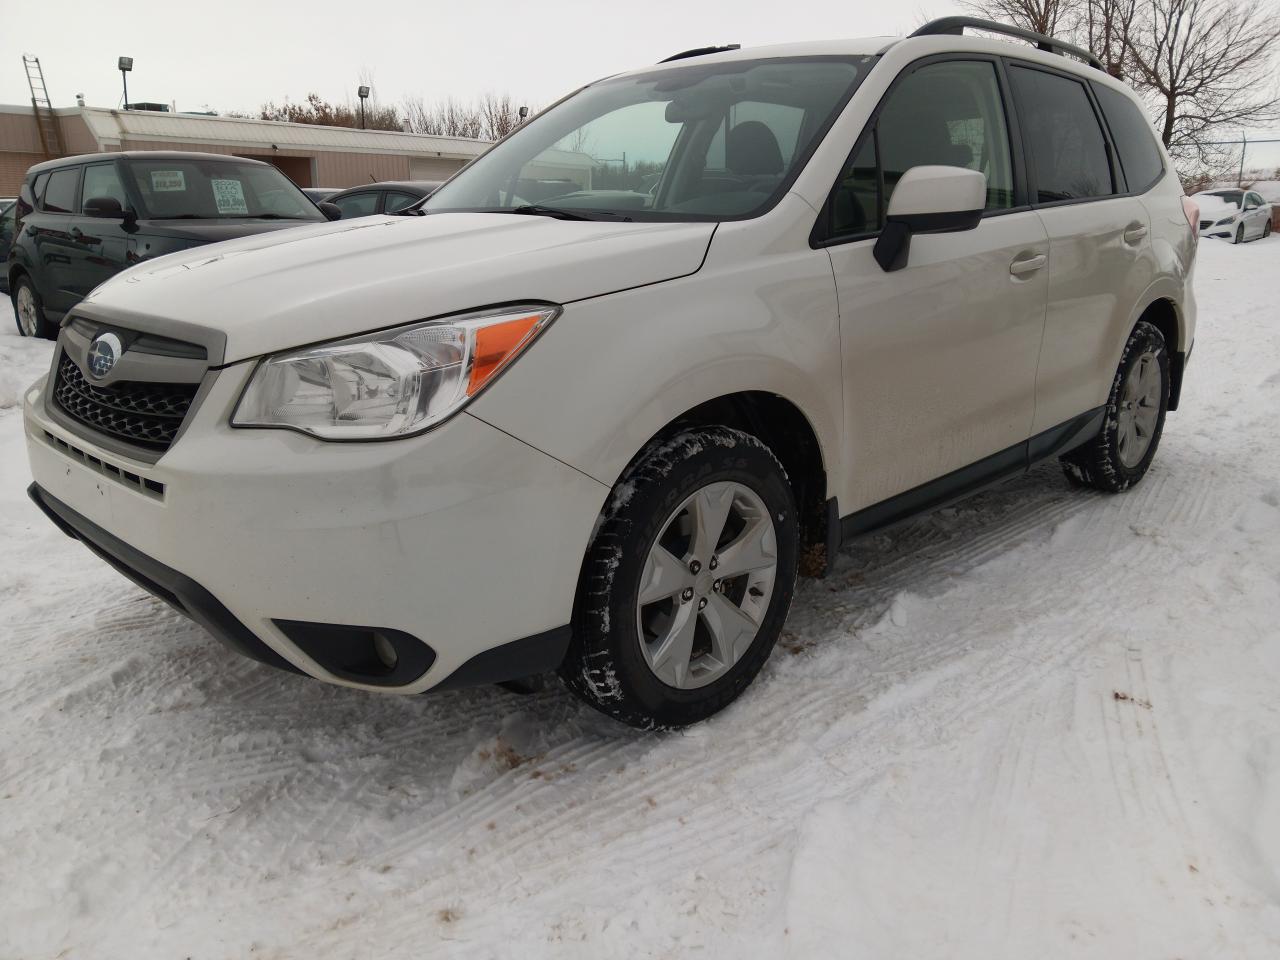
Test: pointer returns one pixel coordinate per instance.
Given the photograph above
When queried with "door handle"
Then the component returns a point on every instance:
(79, 237)
(1030, 265)
(1134, 234)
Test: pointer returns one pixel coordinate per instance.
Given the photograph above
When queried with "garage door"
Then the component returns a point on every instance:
(432, 169)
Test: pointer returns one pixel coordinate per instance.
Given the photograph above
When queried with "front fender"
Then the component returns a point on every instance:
(613, 371)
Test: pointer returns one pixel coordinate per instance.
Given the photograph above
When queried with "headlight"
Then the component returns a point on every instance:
(391, 383)
(1225, 220)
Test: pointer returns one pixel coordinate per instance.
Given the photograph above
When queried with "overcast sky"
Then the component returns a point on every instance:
(236, 54)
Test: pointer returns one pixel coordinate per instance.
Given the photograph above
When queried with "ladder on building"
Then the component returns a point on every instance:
(46, 122)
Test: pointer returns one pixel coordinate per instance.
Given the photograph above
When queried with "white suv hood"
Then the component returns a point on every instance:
(293, 287)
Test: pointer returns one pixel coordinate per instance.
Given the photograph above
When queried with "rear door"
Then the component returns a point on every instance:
(1100, 260)
(55, 246)
(939, 358)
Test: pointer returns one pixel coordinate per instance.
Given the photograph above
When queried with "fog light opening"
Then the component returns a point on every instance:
(385, 652)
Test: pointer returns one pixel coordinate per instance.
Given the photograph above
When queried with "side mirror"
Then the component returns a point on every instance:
(929, 199)
(331, 210)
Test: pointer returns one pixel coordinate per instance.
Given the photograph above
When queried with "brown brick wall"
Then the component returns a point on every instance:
(13, 167)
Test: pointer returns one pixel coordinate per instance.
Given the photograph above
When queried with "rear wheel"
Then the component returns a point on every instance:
(1119, 456)
(29, 311)
(688, 581)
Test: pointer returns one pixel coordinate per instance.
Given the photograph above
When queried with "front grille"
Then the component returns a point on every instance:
(145, 414)
(1206, 224)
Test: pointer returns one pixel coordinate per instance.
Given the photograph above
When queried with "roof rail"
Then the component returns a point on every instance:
(957, 25)
(701, 52)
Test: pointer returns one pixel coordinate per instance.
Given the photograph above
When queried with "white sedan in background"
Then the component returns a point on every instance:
(1236, 215)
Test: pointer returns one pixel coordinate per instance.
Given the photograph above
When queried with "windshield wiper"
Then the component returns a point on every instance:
(537, 210)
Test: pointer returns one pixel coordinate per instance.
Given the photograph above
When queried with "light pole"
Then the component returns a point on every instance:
(125, 64)
(363, 93)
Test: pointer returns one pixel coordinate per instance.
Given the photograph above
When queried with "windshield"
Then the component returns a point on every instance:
(1231, 196)
(191, 189)
(703, 142)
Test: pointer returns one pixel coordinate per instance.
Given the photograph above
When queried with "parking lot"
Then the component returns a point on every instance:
(1039, 723)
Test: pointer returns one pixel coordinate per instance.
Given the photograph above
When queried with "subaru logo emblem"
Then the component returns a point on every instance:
(103, 354)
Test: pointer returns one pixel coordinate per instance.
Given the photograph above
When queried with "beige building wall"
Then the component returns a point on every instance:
(349, 169)
(322, 157)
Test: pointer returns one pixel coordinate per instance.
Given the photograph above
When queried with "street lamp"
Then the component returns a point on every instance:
(363, 94)
(126, 65)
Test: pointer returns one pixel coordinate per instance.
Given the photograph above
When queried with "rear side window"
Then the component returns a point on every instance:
(1068, 152)
(60, 194)
(1134, 139)
(947, 113)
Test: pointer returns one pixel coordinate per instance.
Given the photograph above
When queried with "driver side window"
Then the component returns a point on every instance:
(948, 113)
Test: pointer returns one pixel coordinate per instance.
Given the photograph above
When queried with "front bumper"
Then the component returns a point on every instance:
(464, 538)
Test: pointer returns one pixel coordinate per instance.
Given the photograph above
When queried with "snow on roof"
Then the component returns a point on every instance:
(1270, 189)
(119, 127)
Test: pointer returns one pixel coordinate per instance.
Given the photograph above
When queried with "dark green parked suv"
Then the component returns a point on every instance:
(79, 220)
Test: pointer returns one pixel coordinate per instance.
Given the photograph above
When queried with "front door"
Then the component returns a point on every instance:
(939, 357)
(99, 243)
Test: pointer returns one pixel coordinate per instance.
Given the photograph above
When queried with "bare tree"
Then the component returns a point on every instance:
(1104, 27)
(1207, 64)
(1049, 17)
(323, 113)
(446, 118)
(490, 117)
(501, 114)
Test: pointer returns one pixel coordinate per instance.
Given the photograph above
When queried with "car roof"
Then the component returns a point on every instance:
(877, 46)
(137, 155)
(394, 184)
(412, 186)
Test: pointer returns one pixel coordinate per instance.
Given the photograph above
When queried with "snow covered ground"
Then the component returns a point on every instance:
(1041, 723)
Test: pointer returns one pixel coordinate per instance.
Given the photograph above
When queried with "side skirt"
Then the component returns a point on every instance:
(966, 481)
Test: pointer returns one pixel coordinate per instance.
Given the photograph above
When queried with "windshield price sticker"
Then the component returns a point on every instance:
(168, 181)
(228, 195)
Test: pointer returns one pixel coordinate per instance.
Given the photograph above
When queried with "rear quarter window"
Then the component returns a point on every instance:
(37, 189)
(1134, 139)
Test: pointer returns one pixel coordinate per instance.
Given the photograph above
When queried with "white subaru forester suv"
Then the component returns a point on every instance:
(596, 404)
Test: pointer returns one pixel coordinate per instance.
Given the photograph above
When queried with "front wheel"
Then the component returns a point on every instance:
(1119, 456)
(688, 580)
(1239, 238)
(29, 311)
(1266, 229)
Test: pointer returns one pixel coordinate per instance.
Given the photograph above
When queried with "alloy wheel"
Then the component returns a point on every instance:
(28, 319)
(1139, 409)
(706, 585)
